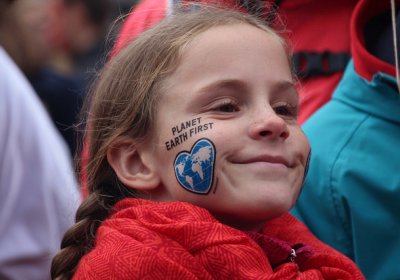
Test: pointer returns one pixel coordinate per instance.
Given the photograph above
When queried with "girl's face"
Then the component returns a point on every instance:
(226, 136)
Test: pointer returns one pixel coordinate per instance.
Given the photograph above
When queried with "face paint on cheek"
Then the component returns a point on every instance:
(186, 130)
(194, 169)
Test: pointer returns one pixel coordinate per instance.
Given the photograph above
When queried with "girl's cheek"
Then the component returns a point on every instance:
(194, 166)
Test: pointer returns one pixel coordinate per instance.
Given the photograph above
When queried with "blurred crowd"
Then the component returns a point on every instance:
(59, 46)
(50, 51)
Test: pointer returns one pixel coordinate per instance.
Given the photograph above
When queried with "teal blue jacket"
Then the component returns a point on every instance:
(351, 196)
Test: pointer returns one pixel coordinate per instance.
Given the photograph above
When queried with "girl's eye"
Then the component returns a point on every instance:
(286, 110)
(227, 107)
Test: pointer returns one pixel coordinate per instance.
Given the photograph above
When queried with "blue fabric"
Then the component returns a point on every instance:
(351, 196)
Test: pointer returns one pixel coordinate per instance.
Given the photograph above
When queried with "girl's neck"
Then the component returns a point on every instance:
(240, 224)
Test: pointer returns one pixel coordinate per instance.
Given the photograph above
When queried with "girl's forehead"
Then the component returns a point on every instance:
(231, 42)
(237, 52)
(231, 30)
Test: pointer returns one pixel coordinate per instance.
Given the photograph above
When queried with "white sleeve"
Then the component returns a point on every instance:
(38, 191)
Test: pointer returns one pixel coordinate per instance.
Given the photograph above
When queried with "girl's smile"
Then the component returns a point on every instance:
(265, 164)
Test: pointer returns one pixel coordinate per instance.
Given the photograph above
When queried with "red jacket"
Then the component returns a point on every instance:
(176, 240)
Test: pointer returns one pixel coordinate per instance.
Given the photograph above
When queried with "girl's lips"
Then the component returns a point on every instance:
(268, 159)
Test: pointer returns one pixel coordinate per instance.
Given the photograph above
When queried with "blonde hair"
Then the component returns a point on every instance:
(123, 104)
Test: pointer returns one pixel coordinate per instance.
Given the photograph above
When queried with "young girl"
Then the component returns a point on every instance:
(195, 158)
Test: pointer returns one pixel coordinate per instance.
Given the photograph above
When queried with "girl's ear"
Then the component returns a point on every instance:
(133, 165)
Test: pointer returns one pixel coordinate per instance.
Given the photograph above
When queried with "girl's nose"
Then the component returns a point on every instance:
(269, 126)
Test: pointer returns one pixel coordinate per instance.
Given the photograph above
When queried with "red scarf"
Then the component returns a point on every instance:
(176, 240)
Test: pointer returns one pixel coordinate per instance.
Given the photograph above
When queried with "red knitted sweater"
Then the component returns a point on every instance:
(176, 240)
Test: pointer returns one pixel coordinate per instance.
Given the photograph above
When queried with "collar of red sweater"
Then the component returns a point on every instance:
(367, 65)
(166, 218)
(164, 227)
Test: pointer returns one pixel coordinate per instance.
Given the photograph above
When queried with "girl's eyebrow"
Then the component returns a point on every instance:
(236, 84)
(232, 84)
(285, 87)
(279, 89)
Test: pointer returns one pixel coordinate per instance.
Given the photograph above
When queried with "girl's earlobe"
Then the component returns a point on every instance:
(132, 166)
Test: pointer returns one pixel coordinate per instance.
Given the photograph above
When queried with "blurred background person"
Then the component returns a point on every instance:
(23, 27)
(38, 190)
(60, 45)
(76, 32)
